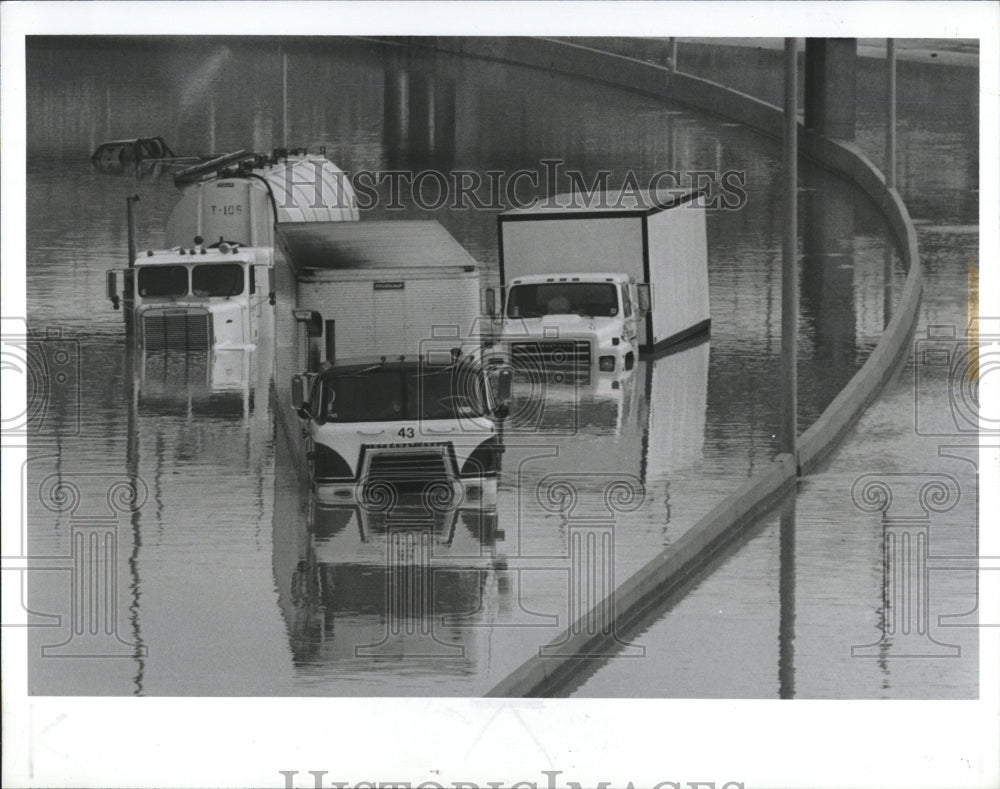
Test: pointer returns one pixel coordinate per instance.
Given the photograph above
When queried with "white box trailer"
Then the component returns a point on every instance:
(612, 276)
(381, 288)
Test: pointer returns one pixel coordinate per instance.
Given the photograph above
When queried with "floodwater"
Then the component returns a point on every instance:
(228, 580)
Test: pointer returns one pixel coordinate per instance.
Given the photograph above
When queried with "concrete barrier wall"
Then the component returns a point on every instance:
(749, 66)
(655, 580)
(559, 57)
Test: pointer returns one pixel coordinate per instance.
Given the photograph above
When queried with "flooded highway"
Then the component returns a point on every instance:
(229, 579)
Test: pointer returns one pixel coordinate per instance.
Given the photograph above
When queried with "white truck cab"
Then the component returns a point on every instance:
(196, 298)
(574, 322)
(382, 430)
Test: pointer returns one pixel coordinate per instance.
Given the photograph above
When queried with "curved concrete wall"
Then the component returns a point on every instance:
(656, 580)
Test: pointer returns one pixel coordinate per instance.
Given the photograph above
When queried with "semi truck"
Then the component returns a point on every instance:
(590, 282)
(381, 377)
(212, 284)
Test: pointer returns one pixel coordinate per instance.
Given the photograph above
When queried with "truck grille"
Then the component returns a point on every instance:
(177, 331)
(570, 357)
(395, 477)
(409, 470)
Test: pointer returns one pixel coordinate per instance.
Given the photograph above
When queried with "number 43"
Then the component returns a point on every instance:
(405, 432)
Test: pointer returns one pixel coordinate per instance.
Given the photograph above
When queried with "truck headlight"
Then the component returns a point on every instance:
(606, 364)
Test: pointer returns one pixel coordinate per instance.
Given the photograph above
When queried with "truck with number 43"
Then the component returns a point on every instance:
(383, 384)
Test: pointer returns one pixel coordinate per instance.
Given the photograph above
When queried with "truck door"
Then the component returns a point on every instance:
(390, 315)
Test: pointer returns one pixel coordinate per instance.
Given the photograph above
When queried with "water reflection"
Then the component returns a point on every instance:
(827, 290)
(418, 128)
(786, 600)
(410, 589)
(405, 584)
(648, 422)
(700, 642)
(196, 383)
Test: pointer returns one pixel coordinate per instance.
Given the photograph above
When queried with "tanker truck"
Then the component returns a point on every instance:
(214, 283)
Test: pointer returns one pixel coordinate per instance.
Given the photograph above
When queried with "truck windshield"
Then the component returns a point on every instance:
(217, 279)
(163, 281)
(591, 299)
(391, 395)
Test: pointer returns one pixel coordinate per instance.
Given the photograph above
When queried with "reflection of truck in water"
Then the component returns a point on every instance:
(413, 586)
(589, 284)
(640, 429)
(364, 586)
(223, 382)
(211, 286)
(379, 354)
(198, 420)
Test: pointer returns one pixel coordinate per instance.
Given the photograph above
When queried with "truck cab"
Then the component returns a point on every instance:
(380, 430)
(195, 298)
(571, 323)
(200, 293)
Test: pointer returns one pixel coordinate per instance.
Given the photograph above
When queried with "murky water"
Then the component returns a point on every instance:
(229, 581)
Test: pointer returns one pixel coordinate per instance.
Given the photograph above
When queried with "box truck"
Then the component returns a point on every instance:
(209, 287)
(379, 356)
(591, 282)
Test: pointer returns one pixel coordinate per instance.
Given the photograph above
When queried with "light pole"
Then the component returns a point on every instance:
(789, 272)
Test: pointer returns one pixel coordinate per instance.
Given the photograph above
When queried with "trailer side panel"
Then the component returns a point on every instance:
(678, 269)
(392, 312)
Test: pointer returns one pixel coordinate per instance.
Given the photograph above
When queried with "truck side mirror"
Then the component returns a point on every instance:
(645, 297)
(491, 302)
(112, 283)
(270, 285)
(300, 395)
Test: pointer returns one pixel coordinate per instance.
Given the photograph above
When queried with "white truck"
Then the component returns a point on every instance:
(209, 288)
(589, 284)
(379, 355)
